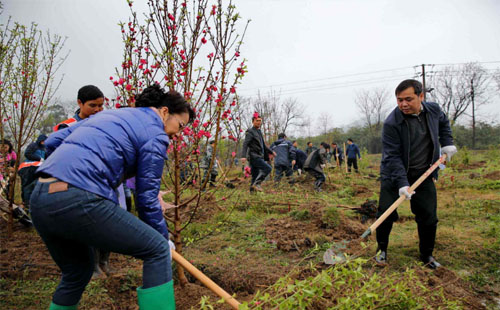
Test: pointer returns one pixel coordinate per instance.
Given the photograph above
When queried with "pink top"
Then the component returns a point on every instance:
(10, 156)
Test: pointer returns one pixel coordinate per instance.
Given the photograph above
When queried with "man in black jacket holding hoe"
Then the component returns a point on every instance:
(257, 153)
(412, 137)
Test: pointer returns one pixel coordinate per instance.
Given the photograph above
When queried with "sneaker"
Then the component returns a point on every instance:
(430, 262)
(381, 258)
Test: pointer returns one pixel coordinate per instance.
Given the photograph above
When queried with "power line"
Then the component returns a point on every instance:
(328, 78)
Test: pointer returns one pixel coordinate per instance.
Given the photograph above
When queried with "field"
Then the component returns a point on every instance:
(267, 248)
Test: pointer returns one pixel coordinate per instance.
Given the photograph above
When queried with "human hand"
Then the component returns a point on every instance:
(293, 162)
(404, 191)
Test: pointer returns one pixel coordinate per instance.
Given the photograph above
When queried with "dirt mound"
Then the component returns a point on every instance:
(453, 287)
(296, 235)
(495, 175)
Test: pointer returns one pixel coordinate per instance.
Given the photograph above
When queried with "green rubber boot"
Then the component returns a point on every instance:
(160, 297)
(53, 306)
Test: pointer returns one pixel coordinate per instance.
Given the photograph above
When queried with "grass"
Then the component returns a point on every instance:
(232, 244)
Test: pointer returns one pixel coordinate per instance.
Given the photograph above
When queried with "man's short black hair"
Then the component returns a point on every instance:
(309, 142)
(417, 86)
(333, 143)
(294, 141)
(325, 145)
(350, 140)
(282, 136)
(89, 92)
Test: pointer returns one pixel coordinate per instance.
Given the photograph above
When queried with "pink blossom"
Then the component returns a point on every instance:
(233, 154)
(118, 105)
(203, 40)
(128, 87)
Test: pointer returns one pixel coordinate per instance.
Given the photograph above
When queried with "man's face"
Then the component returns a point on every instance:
(349, 142)
(309, 144)
(409, 102)
(295, 144)
(334, 146)
(257, 122)
(90, 107)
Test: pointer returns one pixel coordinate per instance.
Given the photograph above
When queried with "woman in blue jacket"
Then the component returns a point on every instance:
(75, 205)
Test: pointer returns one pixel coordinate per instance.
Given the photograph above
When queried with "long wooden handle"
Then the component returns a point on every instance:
(205, 280)
(402, 197)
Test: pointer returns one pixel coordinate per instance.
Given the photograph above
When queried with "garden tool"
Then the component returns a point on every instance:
(205, 280)
(335, 254)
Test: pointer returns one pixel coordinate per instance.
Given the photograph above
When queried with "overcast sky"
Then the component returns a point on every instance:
(318, 51)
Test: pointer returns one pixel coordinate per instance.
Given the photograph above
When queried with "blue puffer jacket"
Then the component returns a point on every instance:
(285, 152)
(98, 153)
(396, 142)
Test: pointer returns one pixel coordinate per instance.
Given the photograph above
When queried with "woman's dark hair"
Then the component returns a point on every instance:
(5, 141)
(325, 145)
(89, 92)
(154, 96)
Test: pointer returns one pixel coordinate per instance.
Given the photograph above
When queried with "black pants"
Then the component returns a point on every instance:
(28, 182)
(423, 204)
(352, 162)
(279, 170)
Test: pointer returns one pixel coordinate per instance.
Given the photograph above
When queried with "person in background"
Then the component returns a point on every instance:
(285, 157)
(205, 164)
(353, 154)
(315, 163)
(310, 148)
(7, 160)
(257, 152)
(337, 154)
(35, 155)
(300, 158)
(90, 101)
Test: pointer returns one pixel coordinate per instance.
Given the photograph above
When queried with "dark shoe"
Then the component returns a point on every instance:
(381, 258)
(430, 262)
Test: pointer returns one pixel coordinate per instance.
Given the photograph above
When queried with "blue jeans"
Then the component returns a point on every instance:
(74, 221)
(259, 169)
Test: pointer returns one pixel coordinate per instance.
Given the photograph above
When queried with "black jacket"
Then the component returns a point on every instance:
(254, 145)
(36, 150)
(396, 142)
(315, 160)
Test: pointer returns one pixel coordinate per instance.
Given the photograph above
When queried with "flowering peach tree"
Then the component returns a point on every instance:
(29, 60)
(192, 47)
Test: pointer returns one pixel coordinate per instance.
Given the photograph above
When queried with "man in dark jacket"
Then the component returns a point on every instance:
(35, 154)
(336, 154)
(411, 140)
(300, 158)
(315, 163)
(256, 151)
(310, 148)
(285, 157)
(352, 151)
(36, 150)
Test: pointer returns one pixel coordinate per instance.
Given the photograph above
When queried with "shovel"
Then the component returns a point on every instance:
(205, 280)
(335, 254)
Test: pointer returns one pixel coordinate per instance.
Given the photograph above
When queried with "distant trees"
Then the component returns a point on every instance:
(454, 86)
(279, 115)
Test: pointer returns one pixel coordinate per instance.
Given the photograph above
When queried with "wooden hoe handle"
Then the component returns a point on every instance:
(205, 280)
(402, 197)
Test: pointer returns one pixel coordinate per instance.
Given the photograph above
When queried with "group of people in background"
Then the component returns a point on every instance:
(288, 158)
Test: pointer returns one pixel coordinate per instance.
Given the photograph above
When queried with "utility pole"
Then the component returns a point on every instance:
(423, 81)
(473, 114)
